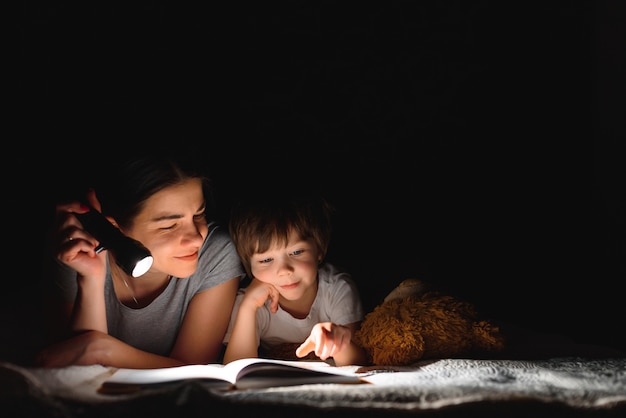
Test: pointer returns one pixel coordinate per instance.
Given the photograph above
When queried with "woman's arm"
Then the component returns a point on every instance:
(89, 310)
(95, 347)
(200, 339)
(71, 256)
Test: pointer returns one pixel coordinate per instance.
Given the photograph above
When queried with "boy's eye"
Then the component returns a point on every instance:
(265, 260)
(297, 252)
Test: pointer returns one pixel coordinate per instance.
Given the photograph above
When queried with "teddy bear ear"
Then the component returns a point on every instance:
(406, 288)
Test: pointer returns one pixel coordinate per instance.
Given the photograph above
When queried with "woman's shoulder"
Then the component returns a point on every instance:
(218, 244)
(218, 259)
(218, 238)
(217, 232)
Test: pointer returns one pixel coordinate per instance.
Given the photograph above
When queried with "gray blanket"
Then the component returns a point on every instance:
(572, 385)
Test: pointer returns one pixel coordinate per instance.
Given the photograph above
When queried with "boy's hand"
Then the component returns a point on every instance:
(326, 340)
(259, 292)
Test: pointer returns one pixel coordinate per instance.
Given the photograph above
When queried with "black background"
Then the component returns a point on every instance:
(473, 143)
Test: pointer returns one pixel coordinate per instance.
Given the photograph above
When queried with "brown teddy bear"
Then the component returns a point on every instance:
(415, 323)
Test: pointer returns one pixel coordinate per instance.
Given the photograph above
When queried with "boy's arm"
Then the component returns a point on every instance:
(243, 339)
(352, 354)
(331, 340)
(243, 342)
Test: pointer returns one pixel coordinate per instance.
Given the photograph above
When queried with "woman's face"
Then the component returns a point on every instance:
(172, 225)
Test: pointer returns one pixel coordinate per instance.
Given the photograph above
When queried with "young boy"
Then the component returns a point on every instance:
(294, 297)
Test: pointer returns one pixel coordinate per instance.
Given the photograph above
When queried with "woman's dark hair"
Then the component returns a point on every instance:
(127, 184)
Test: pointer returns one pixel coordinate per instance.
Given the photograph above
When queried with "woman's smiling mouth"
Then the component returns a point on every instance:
(190, 257)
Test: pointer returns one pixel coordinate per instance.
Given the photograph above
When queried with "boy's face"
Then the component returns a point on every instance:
(291, 269)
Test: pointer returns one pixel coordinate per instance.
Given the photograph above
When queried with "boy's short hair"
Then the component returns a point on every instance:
(256, 224)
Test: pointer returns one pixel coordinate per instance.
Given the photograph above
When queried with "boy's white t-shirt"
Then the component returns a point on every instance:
(337, 301)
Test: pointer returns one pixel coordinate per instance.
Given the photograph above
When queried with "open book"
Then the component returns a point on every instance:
(245, 373)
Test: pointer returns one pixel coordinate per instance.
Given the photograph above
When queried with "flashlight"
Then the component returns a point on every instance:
(130, 254)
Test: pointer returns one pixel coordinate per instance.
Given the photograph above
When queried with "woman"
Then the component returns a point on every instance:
(176, 313)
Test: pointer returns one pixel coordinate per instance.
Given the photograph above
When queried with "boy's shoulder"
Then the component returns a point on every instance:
(332, 274)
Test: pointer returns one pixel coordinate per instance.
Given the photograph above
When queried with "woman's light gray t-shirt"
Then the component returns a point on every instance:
(155, 327)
